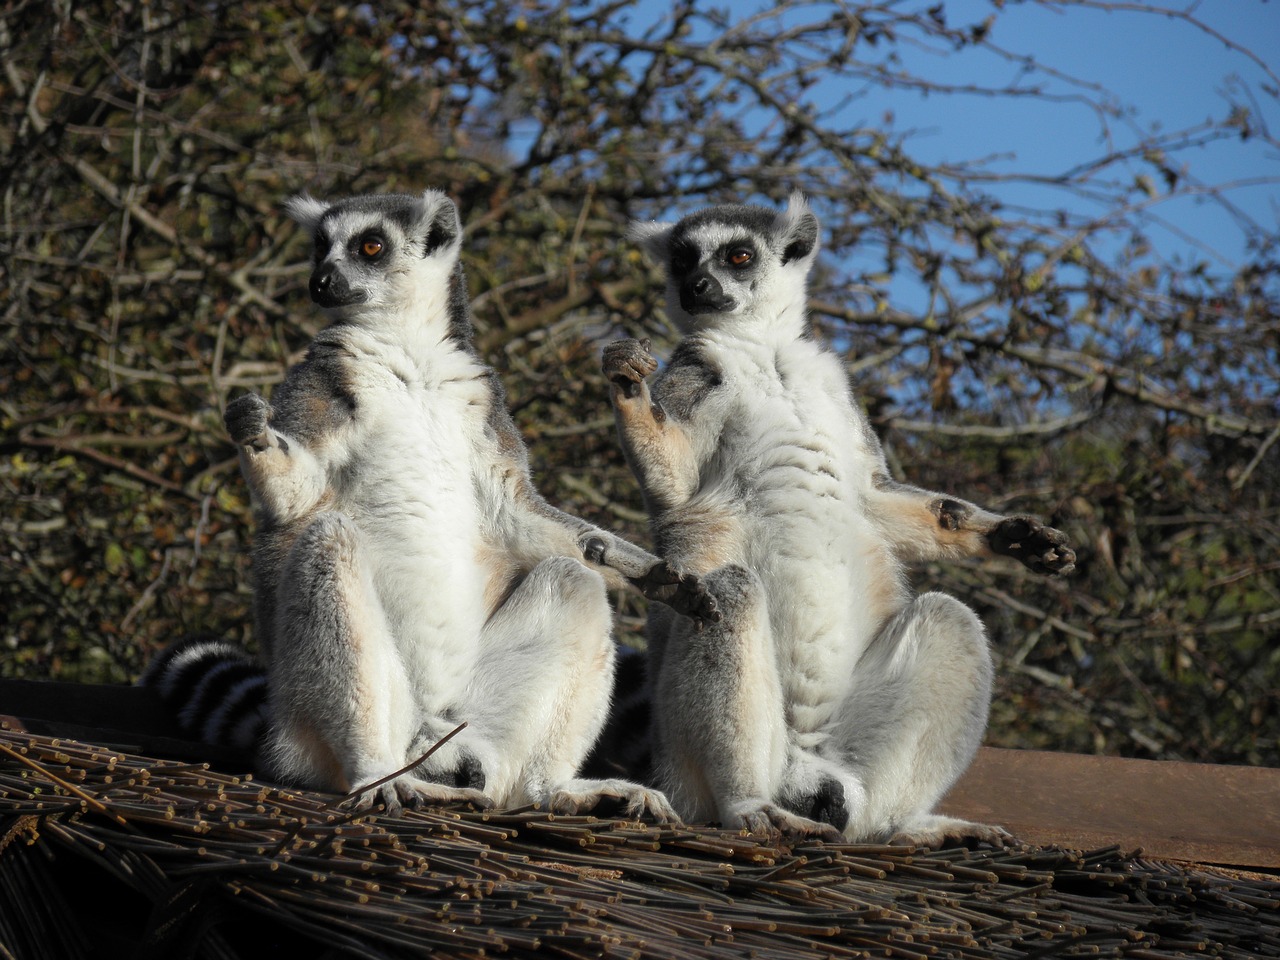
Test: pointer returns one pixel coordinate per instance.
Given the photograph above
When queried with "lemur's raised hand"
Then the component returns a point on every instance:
(828, 700)
(408, 576)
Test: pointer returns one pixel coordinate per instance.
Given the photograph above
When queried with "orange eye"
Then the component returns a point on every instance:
(740, 257)
(371, 247)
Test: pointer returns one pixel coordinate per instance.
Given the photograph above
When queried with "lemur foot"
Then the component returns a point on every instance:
(406, 791)
(825, 802)
(684, 593)
(934, 830)
(627, 362)
(1043, 549)
(583, 796)
(775, 821)
(246, 420)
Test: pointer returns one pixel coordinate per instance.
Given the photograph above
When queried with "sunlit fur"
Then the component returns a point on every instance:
(829, 699)
(408, 576)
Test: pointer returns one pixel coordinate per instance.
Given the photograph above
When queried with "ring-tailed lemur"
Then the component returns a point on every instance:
(828, 699)
(407, 575)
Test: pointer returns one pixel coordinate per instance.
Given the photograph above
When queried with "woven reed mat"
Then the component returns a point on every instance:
(109, 854)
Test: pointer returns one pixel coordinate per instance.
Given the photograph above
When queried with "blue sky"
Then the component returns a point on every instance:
(1159, 73)
(1114, 77)
(1169, 74)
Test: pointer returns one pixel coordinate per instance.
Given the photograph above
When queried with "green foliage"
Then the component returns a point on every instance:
(148, 277)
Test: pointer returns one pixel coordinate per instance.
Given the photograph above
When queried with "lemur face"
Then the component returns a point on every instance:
(717, 267)
(366, 249)
(732, 260)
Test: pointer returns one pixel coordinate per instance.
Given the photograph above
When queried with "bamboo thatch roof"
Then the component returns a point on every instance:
(109, 854)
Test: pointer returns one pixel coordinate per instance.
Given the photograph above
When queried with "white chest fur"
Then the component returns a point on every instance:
(794, 459)
(408, 481)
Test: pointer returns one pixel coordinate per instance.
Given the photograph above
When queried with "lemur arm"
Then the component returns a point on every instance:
(621, 563)
(659, 449)
(932, 526)
(531, 530)
(285, 478)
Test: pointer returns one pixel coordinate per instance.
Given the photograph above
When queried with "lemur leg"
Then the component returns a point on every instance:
(719, 731)
(541, 693)
(342, 707)
(915, 715)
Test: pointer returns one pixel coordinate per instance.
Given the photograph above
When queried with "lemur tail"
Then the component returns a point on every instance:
(624, 748)
(216, 691)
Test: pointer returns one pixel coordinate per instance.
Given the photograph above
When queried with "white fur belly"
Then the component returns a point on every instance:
(815, 553)
(411, 493)
(829, 577)
(826, 602)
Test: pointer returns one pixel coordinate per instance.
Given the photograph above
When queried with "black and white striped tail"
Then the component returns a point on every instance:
(624, 747)
(216, 691)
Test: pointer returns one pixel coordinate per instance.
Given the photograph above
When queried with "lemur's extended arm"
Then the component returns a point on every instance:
(540, 531)
(534, 530)
(932, 526)
(286, 478)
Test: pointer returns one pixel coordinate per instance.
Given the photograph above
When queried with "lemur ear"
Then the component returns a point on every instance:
(797, 228)
(306, 211)
(652, 237)
(438, 224)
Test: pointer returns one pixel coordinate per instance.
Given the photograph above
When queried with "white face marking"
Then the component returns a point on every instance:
(712, 236)
(376, 263)
(728, 272)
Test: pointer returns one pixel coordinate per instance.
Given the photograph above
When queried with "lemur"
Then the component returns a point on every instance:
(828, 700)
(408, 577)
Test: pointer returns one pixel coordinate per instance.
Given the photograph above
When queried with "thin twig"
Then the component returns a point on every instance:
(405, 769)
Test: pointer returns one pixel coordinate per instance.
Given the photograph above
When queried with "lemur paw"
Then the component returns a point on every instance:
(406, 791)
(684, 593)
(585, 796)
(934, 831)
(627, 362)
(1043, 549)
(246, 420)
(774, 821)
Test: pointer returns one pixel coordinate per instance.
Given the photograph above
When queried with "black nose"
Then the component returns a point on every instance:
(321, 281)
(329, 288)
(702, 293)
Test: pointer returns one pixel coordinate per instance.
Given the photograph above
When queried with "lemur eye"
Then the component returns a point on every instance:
(371, 247)
(740, 257)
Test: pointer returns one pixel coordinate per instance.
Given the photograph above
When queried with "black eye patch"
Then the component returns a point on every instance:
(684, 257)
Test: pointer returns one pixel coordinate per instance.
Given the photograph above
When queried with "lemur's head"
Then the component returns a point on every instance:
(734, 263)
(381, 250)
